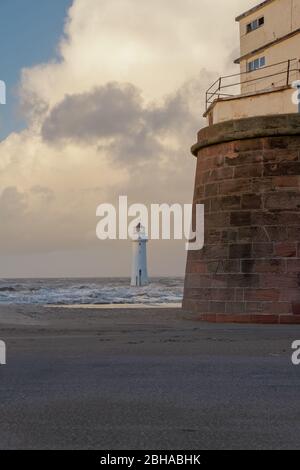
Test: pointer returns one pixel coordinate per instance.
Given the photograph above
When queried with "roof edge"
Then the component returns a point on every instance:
(253, 10)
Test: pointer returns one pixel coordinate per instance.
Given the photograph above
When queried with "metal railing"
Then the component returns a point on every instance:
(215, 91)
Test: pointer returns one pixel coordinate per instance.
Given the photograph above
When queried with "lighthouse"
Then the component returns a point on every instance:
(139, 274)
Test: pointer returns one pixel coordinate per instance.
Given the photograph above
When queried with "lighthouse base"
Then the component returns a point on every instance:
(137, 282)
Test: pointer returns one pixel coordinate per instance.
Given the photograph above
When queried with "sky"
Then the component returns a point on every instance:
(30, 32)
(104, 98)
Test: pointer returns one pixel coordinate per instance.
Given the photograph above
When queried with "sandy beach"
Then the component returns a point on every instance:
(144, 379)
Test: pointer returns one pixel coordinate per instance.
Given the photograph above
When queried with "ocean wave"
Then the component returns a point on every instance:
(7, 289)
(93, 291)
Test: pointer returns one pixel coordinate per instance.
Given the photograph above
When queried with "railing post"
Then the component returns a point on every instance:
(298, 90)
(288, 73)
(220, 84)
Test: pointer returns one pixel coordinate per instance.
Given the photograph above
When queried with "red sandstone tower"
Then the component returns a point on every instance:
(248, 178)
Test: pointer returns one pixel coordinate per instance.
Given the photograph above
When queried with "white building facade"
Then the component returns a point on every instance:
(269, 64)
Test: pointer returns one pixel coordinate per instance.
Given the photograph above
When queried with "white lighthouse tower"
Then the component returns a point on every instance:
(139, 273)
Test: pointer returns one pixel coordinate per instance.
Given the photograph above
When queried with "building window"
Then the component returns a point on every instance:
(255, 24)
(256, 64)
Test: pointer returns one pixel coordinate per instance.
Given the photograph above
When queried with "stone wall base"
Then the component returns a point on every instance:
(258, 319)
(248, 179)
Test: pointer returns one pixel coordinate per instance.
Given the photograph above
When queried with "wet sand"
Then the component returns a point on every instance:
(145, 379)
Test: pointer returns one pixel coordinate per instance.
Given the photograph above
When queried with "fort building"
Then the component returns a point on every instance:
(248, 178)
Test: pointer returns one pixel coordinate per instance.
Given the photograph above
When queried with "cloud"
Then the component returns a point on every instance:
(115, 113)
(108, 111)
(45, 194)
(116, 118)
(12, 203)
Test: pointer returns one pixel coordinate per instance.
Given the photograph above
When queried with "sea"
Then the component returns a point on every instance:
(96, 291)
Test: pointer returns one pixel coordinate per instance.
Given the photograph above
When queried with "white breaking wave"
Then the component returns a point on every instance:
(89, 291)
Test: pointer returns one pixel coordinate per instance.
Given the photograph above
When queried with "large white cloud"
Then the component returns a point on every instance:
(153, 60)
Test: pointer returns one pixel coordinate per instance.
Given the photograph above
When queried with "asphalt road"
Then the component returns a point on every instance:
(172, 384)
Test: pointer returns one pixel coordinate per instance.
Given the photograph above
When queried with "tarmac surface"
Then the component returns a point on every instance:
(145, 379)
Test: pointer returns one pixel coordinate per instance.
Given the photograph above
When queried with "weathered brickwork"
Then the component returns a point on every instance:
(249, 269)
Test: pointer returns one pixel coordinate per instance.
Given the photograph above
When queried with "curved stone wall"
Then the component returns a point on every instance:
(248, 178)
